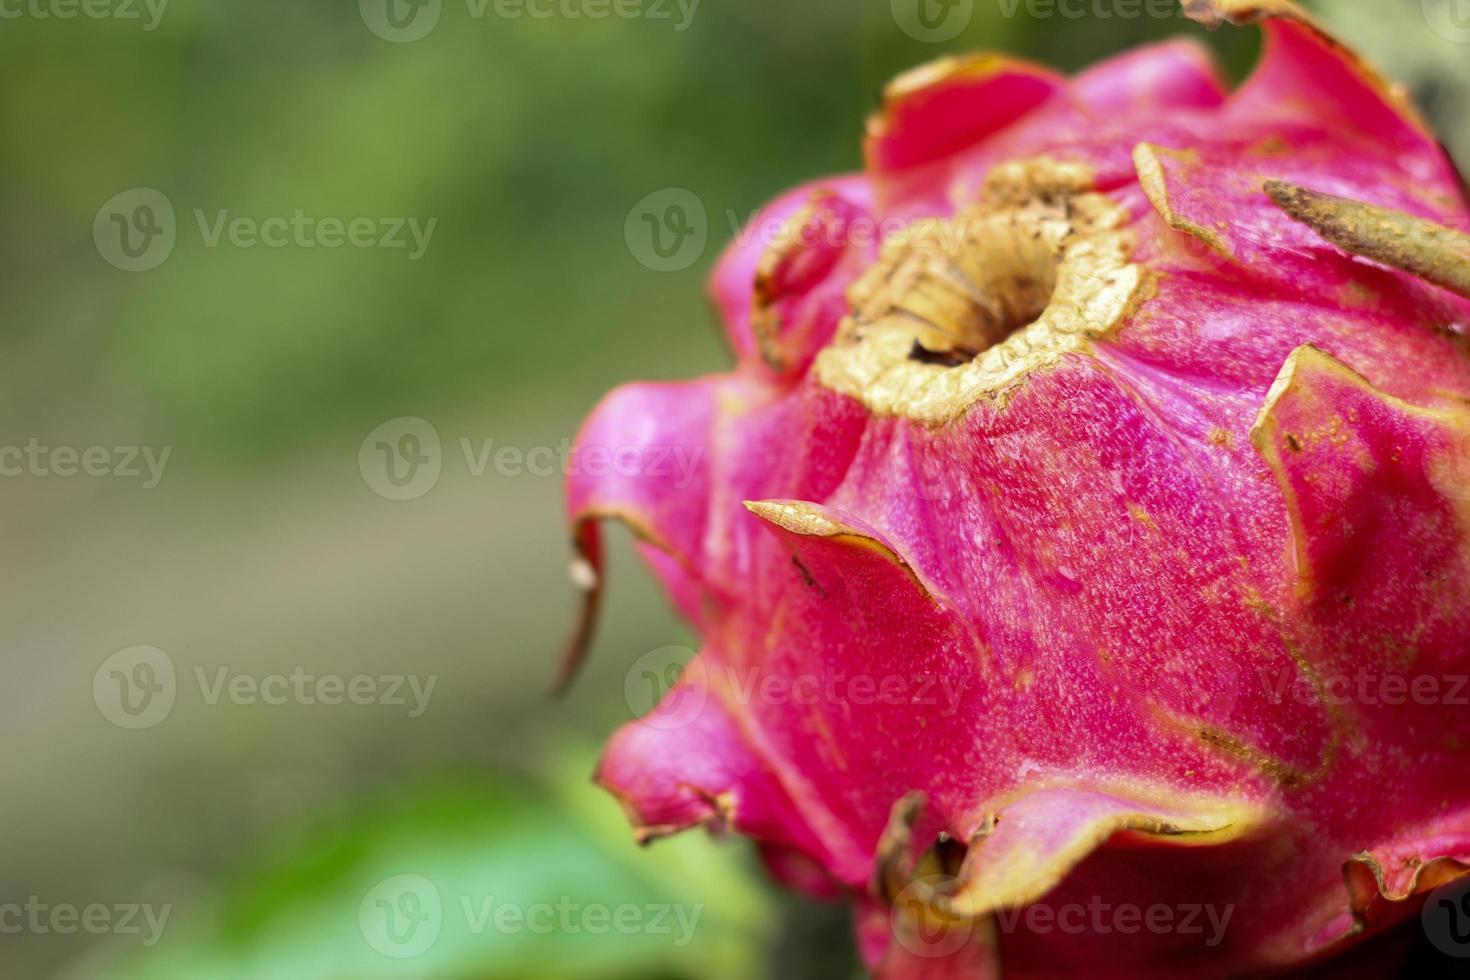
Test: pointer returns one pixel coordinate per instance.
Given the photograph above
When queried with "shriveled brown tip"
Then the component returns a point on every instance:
(1372, 898)
(1433, 252)
(1213, 13)
(586, 572)
(893, 867)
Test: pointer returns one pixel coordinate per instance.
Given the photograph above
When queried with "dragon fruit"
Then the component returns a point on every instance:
(1080, 545)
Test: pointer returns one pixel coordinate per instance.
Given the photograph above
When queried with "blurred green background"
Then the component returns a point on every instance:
(265, 829)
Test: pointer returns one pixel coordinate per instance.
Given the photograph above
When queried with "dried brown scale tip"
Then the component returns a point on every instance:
(893, 868)
(1215, 13)
(1373, 895)
(1422, 248)
(586, 574)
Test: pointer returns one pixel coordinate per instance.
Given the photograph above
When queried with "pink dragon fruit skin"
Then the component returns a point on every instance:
(1111, 518)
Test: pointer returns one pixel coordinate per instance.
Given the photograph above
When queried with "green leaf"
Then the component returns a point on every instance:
(477, 878)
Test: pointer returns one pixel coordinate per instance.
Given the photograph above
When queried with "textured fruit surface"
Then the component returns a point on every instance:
(1083, 561)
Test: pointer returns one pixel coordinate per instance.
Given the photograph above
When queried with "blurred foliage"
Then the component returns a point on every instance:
(1435, 68)
(503, 861)
(529, 140)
